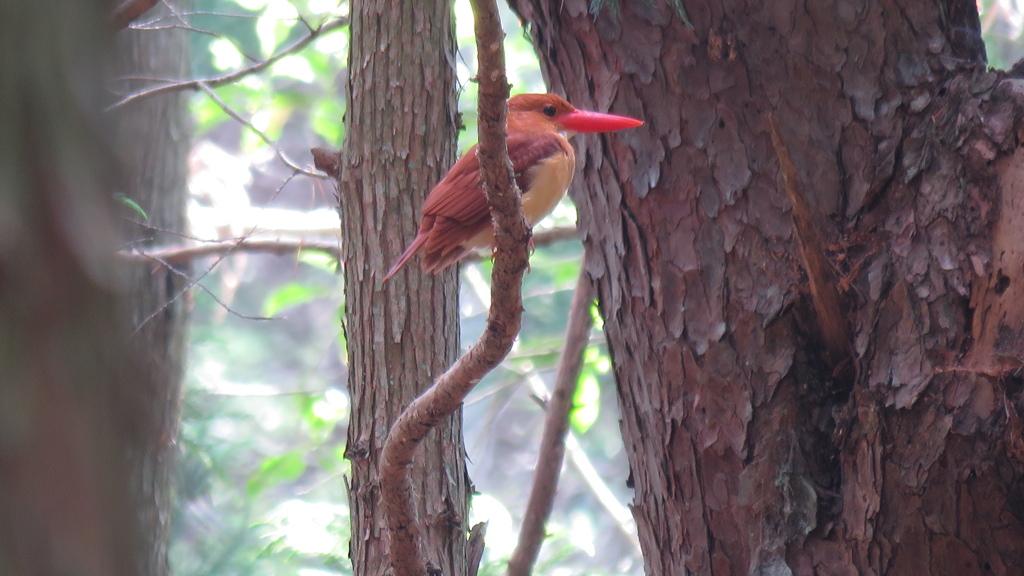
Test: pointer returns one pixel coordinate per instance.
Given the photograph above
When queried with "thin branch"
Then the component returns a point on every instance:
(618, 512)
(231, 77)
(198, 280)
(554, 235)
(126, 12)
(556, 426)
(229, 309)
(178, 255)
(150, 24)
(189, 28)
(266, 139)
(174, 298)
(504, 319)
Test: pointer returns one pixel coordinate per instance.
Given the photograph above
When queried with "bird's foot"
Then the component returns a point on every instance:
(529, 267)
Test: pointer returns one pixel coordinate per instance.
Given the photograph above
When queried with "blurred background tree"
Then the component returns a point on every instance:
(154, 139)
(73, 398)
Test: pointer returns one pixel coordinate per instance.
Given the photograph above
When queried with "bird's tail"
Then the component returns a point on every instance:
(418, 243)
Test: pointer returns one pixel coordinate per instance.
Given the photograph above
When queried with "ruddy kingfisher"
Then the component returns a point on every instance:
(456, 218)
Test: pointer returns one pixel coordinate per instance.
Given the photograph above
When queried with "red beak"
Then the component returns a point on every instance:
(582, 122)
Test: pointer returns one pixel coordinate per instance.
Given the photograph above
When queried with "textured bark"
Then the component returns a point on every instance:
(68, 383)
(154, 137)
(399, 141)
(751, 450)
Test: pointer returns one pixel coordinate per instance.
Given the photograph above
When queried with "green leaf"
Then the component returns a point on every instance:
(294, 66)
(319, 260)
(595, 315)
(131, 204)
(225, 55)
(277, 470)
(275, 24)
(326, 119)
(586, 404)
(206, 114)
(291, 295)
(597, 359)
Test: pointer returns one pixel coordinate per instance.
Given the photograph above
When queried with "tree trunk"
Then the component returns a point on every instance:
(770, 427)
(70, 390)
(155, 135)
(399, 141)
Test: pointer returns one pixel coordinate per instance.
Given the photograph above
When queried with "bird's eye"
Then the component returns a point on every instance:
(549, 111)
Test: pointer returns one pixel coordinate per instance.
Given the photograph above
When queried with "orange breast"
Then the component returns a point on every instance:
(546, 184)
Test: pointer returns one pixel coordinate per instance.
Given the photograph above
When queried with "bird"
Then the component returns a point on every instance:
(456, 219)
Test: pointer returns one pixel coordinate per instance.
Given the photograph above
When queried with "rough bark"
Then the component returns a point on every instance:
(751, 449)
(68, 396)
(154, 137)
(399, 141)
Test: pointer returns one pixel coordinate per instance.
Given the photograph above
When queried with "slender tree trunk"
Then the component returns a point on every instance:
(399, 141)
(155, 138)
(768, 430)
(69, 386)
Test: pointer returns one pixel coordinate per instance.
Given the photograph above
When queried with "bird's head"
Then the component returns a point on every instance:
(546, 111)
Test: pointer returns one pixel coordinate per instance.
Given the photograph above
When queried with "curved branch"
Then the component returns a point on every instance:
(503, 321)
(231, 77)
(556, 426)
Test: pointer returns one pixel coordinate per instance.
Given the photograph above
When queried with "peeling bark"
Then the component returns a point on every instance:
(749, 451)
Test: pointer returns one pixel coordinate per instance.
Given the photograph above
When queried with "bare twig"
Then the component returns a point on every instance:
(178, 255)
(556, 426)
(266, 139)
(191, 282)
(577, 456)
(503, 321)
(129, 10)
(553, 235)
(152, 24)
(620, 514)
(231, 77)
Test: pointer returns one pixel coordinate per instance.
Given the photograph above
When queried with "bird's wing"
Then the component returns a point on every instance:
(459, 196)
(456, 209)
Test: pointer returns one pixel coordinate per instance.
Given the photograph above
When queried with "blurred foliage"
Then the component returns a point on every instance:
(1002, 23)
(261, 477)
